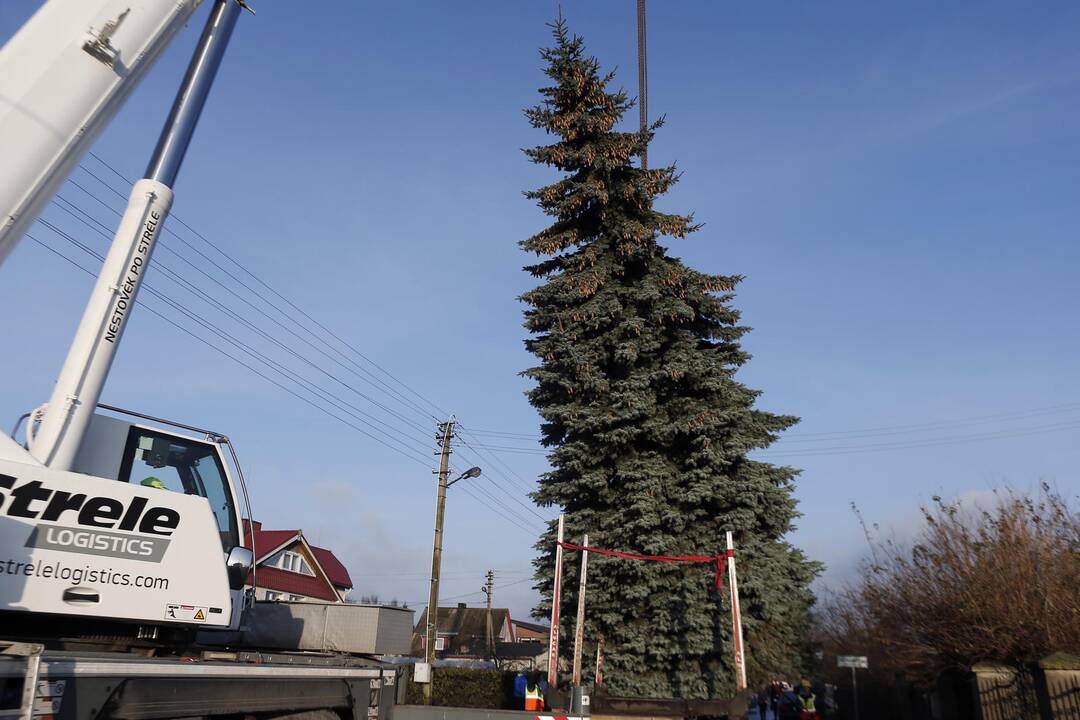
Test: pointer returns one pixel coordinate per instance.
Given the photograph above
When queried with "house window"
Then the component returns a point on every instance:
(440, 643)
(291, 561)
(271, 595)
(296, 598)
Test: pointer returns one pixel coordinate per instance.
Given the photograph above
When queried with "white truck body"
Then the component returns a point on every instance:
(75, 544)
(103, 545)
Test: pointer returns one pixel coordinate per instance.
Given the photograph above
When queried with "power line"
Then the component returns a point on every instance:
(321, 394)
(479, 499)
(228, 337)
(510, 513)
(493, 450)
(203, 295)
(915, 428)
(502, 433)
(459, 573)
(359, 371)
(218, 349)
(525, 485)
(512, 449)
(291, 304)
(859, 434)
(516, 520)
(423, 603)
(932, 442)
(529, 486)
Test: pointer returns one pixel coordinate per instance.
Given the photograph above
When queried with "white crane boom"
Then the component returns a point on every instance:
(63, 76)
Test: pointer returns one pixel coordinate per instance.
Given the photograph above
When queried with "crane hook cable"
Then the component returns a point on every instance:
(643, 80)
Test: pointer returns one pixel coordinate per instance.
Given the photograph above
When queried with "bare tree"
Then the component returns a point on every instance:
(998, 583)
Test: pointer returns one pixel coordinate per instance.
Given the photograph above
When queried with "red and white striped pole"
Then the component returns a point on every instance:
(736, 618)
(579, 630)
(556, 599)
(599, 662)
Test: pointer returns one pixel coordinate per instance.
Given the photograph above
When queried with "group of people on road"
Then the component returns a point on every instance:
(780, 701)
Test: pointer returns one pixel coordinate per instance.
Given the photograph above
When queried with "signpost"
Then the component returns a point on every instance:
(853, 662)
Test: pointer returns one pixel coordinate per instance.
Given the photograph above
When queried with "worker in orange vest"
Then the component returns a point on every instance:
(534, 697)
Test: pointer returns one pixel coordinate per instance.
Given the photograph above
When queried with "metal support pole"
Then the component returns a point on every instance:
(447, 431)
(579, 629)
(556, 599)
(188, 105)
(854, 693)
(736, 618)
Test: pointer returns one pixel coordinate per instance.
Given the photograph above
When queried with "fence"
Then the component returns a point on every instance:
(1047, 690)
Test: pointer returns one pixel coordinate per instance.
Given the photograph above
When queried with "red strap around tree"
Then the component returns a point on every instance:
(718, 559)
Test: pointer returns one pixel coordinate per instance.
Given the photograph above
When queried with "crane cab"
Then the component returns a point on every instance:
(146, 528)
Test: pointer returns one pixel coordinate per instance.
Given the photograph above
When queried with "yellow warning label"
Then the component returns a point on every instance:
(199, 615)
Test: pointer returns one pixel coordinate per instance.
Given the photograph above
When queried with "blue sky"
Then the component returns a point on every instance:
(897, 182)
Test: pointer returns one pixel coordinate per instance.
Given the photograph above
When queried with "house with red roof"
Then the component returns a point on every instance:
(288, 567)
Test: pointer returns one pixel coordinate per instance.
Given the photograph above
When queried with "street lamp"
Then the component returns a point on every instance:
(470, 473)
(436, 567)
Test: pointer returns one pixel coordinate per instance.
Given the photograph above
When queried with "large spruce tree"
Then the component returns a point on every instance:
(648, 428)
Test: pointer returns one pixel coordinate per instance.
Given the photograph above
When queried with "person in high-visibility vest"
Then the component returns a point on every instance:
(807, 696)
(534, 698)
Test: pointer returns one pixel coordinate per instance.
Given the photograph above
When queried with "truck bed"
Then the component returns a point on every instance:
(71, 685)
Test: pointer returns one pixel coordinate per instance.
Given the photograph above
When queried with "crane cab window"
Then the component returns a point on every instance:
(168, 463)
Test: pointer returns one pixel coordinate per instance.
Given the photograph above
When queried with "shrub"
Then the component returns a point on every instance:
(464, 687)
(977, 584)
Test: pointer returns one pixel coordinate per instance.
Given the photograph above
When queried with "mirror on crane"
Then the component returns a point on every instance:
(238, 566)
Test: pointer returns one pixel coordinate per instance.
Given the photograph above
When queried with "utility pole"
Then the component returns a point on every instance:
(489, 590)
(446, 433)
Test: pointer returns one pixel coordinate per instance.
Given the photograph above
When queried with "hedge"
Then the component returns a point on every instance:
(466, 687)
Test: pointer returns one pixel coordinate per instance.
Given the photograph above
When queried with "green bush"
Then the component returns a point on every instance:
(465, 687)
